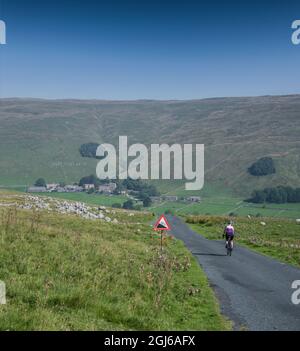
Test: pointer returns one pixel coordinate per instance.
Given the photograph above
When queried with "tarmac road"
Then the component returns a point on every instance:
(254, 290)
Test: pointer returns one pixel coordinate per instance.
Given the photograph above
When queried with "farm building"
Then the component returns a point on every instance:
(155, 198)
(107, 188)
(88, 186)
(193, 199)
(37, 189)
(171, 198)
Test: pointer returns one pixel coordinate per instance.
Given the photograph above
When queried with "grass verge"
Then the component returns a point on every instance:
(63, 272)
(278, 238)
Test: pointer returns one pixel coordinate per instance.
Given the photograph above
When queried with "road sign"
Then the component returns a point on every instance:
(162, 224)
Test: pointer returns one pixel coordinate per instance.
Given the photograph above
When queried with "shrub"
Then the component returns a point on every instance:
(276, 195)
(40, 182)
(91, 179)
(128, 205)
(262, 167)
(147, 201)
(88, 150)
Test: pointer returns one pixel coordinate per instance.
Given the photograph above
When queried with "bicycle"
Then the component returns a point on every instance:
(229, 247)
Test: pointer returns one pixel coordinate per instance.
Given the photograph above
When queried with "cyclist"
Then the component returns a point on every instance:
(229, 234)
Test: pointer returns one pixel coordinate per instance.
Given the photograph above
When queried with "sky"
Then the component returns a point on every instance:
(126, 50)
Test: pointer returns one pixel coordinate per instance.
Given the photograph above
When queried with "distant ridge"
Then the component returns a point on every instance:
(41, 138)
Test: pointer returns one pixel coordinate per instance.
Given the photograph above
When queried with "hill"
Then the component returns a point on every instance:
(41, 138)
(67, 271)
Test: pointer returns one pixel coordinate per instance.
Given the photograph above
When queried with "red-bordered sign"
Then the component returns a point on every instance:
(162, 224)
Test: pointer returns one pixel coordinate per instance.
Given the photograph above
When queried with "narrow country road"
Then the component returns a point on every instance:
(254, 290)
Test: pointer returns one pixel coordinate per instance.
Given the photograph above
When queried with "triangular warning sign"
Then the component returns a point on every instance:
(162, 224)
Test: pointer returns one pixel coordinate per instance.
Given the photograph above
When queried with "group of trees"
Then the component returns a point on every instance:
(278, 195)
(141, 190)
(88, 150)
(262, 167)
(127, 205)
(140, 186)
(91, 179)
(40, 182)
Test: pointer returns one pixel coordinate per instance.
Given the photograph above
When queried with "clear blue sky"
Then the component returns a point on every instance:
(148, 49)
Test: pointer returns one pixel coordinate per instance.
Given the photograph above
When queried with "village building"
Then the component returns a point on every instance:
(52, 186)
(171, 198)
(88, 186)
(155, 198)
(72, 188)
(37, 189)
(193, 199)
(107, 188)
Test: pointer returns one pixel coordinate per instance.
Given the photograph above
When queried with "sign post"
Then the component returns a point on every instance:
(160, 225)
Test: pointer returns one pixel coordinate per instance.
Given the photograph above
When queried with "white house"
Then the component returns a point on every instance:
(52, 186)
(107, 188)
(73, 188)
(88, 186)
(37, 189)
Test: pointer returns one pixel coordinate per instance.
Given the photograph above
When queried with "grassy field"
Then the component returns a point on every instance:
(214, 202)
(227, 204)
(67, 273)
(278, 238)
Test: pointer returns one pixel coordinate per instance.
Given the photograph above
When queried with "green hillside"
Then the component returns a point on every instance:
(41, 138)
(64, 272)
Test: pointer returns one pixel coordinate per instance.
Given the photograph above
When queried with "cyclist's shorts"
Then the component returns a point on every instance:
(229, 237)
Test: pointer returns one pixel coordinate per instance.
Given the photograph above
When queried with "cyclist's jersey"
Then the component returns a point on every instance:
(229, 230)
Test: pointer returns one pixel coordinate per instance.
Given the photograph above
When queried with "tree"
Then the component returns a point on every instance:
(275, 196)
(147, 201)
(279, 195)
(258, 196)
(88, 150)
(140, 186)
(262, 167)
(297, 195)
(128, 205)
(91, 179)
(40, 182)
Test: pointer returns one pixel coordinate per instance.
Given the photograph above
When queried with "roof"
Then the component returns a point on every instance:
(37, 188)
